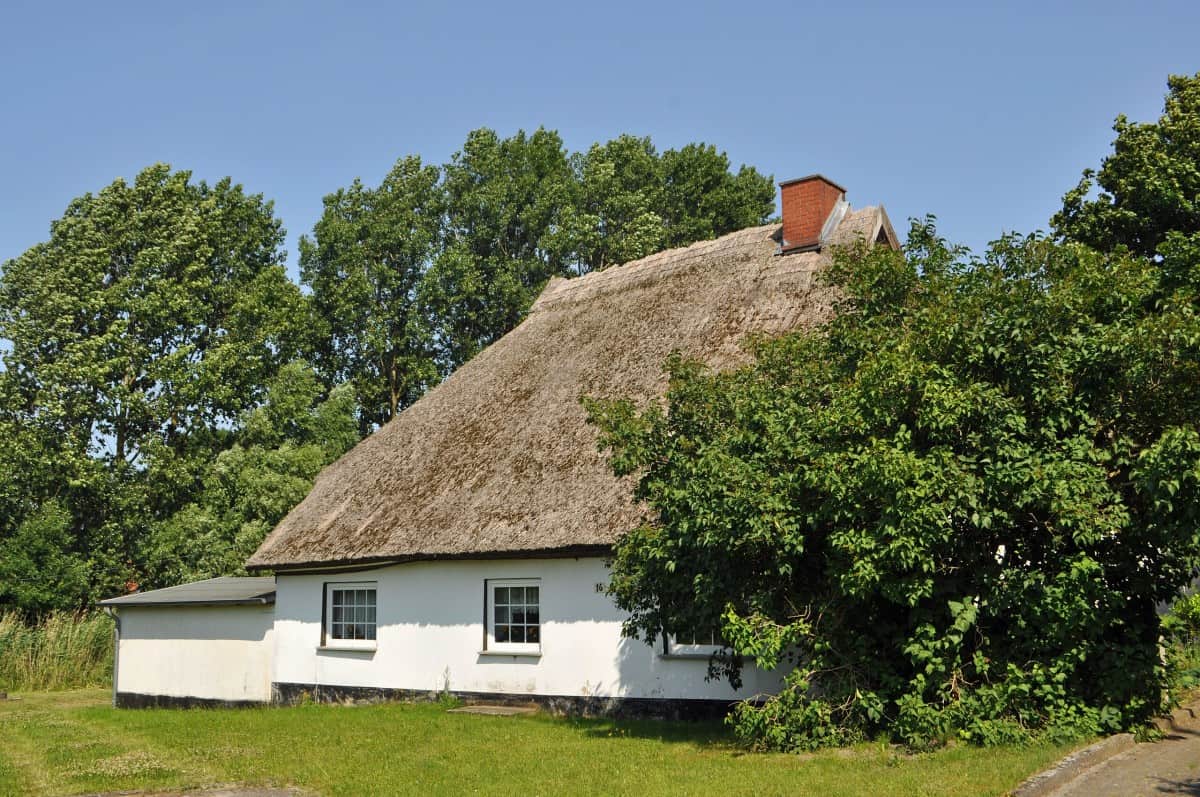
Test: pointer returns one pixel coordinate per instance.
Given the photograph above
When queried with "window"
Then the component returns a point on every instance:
(707, 636)
(350, 615)
(514, 616)
(694, 642)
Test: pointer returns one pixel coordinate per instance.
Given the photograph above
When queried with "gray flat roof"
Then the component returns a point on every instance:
(221, 590)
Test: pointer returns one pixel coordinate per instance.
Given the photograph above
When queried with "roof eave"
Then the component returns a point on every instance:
(370, 562)
(123, 603)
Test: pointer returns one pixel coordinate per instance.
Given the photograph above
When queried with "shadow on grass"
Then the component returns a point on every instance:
(700, 734)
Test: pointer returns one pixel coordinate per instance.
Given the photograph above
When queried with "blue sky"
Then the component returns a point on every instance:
(981, 113)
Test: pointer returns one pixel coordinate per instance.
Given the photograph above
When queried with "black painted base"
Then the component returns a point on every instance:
(134, 700)
(571, 705)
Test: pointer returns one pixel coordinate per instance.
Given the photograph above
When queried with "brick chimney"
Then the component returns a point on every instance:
(812, 208)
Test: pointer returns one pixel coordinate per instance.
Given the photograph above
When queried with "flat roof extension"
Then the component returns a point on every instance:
(223, 590)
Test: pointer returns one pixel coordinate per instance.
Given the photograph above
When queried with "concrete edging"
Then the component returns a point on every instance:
(1073, 765)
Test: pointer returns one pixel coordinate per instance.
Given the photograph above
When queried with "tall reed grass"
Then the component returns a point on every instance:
(61, 651)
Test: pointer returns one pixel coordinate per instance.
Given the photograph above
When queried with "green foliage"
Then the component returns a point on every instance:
(1149, 185)
(137, 335)
(38, 568)
(413, 278)
(618, 214)
(1183, 621)
(250, 486)
(632, 202)
(364, 265)
(1181, 637)
(503, 199)
(952, 509)
(61, 651)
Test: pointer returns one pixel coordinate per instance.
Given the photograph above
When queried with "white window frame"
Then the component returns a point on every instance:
(673, 647)
(327, 639)
(511, 648)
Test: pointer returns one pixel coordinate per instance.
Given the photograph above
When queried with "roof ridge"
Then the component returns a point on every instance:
(566, 289)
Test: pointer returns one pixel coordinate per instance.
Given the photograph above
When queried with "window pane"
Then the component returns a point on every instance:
(517, 634)
(502, 633)
(531, 594)
(501, 615)
(518, 614)
(516, 594)
(352, 613)
(531, 615)
(532, 634)
(501, 595)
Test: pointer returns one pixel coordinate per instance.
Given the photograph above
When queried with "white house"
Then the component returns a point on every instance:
(460, 548)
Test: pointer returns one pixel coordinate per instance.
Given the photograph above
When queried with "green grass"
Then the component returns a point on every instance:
(74, 742)
(62, 651)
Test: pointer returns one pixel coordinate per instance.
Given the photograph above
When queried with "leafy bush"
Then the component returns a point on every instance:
(1181, 632)
(953, 509)
(1182, 623)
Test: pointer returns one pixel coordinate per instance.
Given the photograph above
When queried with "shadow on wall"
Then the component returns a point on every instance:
(228, 623)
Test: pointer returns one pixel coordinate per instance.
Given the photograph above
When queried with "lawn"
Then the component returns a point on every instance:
(74, 742)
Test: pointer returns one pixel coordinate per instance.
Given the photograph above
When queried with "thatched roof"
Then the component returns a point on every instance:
(499, 459)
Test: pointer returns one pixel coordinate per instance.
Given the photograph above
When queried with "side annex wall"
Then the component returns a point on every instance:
(194, 655)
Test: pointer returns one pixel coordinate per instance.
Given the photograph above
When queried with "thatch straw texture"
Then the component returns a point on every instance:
(499, 459)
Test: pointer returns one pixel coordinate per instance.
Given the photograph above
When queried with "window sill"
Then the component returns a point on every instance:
(346, 648)
(528, 654)
(695, 655)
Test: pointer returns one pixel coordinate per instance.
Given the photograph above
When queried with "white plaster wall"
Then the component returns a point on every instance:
(430, 634)
(213, 652)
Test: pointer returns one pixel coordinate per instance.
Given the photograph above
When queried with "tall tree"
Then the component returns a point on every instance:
(520, 210)
(247, 489)
(703, 199)
(631, 201)
(1149, 185)
(365, 264)
(137, 335)
(504, 200)
(618, 213)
